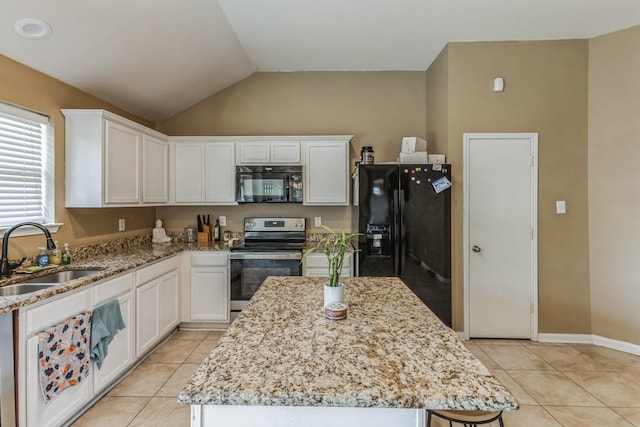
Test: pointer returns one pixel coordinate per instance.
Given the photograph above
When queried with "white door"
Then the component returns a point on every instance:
(500, 194)
(155, 167)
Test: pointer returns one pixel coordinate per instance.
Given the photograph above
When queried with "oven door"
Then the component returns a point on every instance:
(248, 271)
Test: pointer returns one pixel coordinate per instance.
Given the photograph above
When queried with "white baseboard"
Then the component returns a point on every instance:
(627, 347)
(566, 338)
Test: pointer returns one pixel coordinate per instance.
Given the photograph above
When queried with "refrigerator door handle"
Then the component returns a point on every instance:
(402, 232)
(396, 233)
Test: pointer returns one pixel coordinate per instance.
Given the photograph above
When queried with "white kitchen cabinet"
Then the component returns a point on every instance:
(209, 287)
(189, 172)
(33, 411)
(121, 353)
(317, 265)
(326, 171)
(220, 173)
(267, 152)
(203, 171)
(155, 170)
(122, 164)
(106, 164)
(157, 303)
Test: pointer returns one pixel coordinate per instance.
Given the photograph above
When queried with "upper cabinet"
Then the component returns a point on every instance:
(326, 171)
(112, 161)
(203, 171)
(267, 152)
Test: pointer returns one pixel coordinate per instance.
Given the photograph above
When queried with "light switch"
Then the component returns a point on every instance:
(223, 221)
(561, 207)
(318, 221)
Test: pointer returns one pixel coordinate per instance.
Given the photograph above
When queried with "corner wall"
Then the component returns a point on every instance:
(545, 92)
(614, 184)
(378, 108)
(33, 90)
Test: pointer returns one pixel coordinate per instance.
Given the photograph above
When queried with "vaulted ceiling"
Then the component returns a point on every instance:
(154, 58)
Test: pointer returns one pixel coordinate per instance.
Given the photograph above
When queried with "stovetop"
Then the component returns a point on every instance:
(272, 235)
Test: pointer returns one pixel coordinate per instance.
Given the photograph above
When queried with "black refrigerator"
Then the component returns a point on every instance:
(404, 221)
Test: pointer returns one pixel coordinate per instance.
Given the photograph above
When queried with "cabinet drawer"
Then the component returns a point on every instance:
(210, 258)
(153, 271)
(51, 313)
(112, 288)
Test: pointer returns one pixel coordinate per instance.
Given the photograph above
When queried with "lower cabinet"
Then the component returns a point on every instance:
(317, 265)
(157, 303)
(121, 353)
(209, 287)
(33, 410)
(149, 304)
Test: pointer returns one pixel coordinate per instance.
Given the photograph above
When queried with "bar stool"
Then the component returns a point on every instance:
(466, 418)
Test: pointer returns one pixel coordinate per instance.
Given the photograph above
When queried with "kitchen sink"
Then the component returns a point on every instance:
(61, 276)
(23, 288)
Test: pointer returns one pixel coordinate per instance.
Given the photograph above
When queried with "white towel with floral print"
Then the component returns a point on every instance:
(63, 354)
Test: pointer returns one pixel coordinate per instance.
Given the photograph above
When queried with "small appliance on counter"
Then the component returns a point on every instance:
(190, 234)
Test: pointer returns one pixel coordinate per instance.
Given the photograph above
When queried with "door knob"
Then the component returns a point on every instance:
(476, 248)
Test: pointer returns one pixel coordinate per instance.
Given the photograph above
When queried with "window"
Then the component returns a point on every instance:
(26, 168)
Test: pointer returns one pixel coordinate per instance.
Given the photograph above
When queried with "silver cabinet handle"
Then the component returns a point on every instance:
(476, 248)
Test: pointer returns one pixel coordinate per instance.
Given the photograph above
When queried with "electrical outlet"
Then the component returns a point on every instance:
(318, 221)
(223, 221)
(121, 224)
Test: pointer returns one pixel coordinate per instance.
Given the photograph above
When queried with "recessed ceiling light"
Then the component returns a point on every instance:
(31, 28)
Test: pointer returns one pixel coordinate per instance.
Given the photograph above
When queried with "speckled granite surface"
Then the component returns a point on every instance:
(113, 257)
(391, 351)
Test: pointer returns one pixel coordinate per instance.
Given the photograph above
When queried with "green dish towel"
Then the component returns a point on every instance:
(107, 321)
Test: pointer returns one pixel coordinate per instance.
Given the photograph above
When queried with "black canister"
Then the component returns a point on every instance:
(366, 155)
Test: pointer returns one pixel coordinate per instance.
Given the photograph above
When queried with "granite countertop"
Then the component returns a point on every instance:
(390, 352)
(111, 262)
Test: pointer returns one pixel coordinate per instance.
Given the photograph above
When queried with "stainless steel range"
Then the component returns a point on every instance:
(272, 247)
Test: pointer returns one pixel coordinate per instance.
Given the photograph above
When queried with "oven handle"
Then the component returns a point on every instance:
(265, 255)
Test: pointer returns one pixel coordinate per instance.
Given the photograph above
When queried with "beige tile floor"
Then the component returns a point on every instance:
(556, 384)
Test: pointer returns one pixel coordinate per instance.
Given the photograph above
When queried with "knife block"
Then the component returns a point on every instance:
(204, 236)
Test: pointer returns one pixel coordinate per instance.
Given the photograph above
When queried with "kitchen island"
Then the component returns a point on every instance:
(282, 363)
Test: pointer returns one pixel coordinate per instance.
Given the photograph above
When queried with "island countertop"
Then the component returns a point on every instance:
(390, 352)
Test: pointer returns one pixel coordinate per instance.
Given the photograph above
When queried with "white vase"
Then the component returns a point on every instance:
(333, 293)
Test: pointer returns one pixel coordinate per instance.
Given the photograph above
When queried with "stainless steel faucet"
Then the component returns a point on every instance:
(5, 268)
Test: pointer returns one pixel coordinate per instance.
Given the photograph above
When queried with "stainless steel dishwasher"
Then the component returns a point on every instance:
(7, 383)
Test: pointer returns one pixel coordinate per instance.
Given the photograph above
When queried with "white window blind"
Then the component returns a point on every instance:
(24, 166)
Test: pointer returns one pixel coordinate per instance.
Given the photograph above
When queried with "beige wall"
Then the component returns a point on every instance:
(378, 108)
(614, 184)
(28, 88)
(438, 104)
(545, 92)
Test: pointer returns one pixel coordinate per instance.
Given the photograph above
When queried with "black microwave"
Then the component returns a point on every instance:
(269, 184)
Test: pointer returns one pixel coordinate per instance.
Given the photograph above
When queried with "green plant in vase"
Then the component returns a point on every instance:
(334, 245)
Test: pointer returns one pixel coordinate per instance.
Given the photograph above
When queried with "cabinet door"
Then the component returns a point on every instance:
(57, 410)
(189, 172)
(147, 316)
(253, 153)
(326, 174)
(122, 164)
(155, 170)
(121, 350)
(220, 172)
(285, 152)
(209, 294)
(168, 294)
(317, 265)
